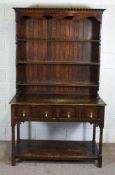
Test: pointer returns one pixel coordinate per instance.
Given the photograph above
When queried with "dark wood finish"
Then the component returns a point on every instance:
(57, 79)
(56, 150)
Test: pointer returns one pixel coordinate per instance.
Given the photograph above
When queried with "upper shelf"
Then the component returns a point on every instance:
(54, 39)
(54, 83)
(59, 62)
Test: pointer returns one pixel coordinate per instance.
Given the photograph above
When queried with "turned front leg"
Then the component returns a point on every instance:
(94, 133)
(93, 139)
(100, 148)
(18, 132)
(13, 159)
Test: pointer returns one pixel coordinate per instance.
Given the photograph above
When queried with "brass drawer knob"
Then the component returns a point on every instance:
(46, 114)
(68, 115)
(23, 114)
(91, 115)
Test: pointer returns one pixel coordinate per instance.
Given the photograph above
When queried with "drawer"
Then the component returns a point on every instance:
(93, 112)
(67, 112)
(35, 111)
(23, 111)
(79, 113)
(43, 112)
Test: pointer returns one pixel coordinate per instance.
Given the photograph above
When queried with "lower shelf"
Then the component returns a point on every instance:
(56, 150)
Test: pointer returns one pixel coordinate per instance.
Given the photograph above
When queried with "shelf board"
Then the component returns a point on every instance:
(56, 150)
(57, 99)
(53, 83)
(55, 39)
(58, 62)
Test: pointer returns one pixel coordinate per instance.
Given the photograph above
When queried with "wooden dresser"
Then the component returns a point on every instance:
(57, 79)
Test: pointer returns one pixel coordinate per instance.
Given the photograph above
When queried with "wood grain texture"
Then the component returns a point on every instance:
(58, 40)
(56, 150)
(57, 79)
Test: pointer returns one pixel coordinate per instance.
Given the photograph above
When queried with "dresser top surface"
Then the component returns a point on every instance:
(50, 99)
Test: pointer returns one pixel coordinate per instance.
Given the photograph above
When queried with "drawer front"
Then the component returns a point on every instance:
(78, 113)
(93, 113)
(35, 112)
(67, 112)
(43, 112)
(23, 111)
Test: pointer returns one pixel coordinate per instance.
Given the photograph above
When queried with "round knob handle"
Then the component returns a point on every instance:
(46, 114)
(68, 115)
(23, 114)
(91, 114)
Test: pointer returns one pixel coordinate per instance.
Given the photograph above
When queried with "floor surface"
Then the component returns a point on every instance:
(56, 168)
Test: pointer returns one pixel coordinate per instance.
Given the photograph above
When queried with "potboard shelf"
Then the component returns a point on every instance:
(57, 150)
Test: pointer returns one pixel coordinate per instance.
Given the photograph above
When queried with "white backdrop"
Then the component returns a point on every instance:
(7, 72)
